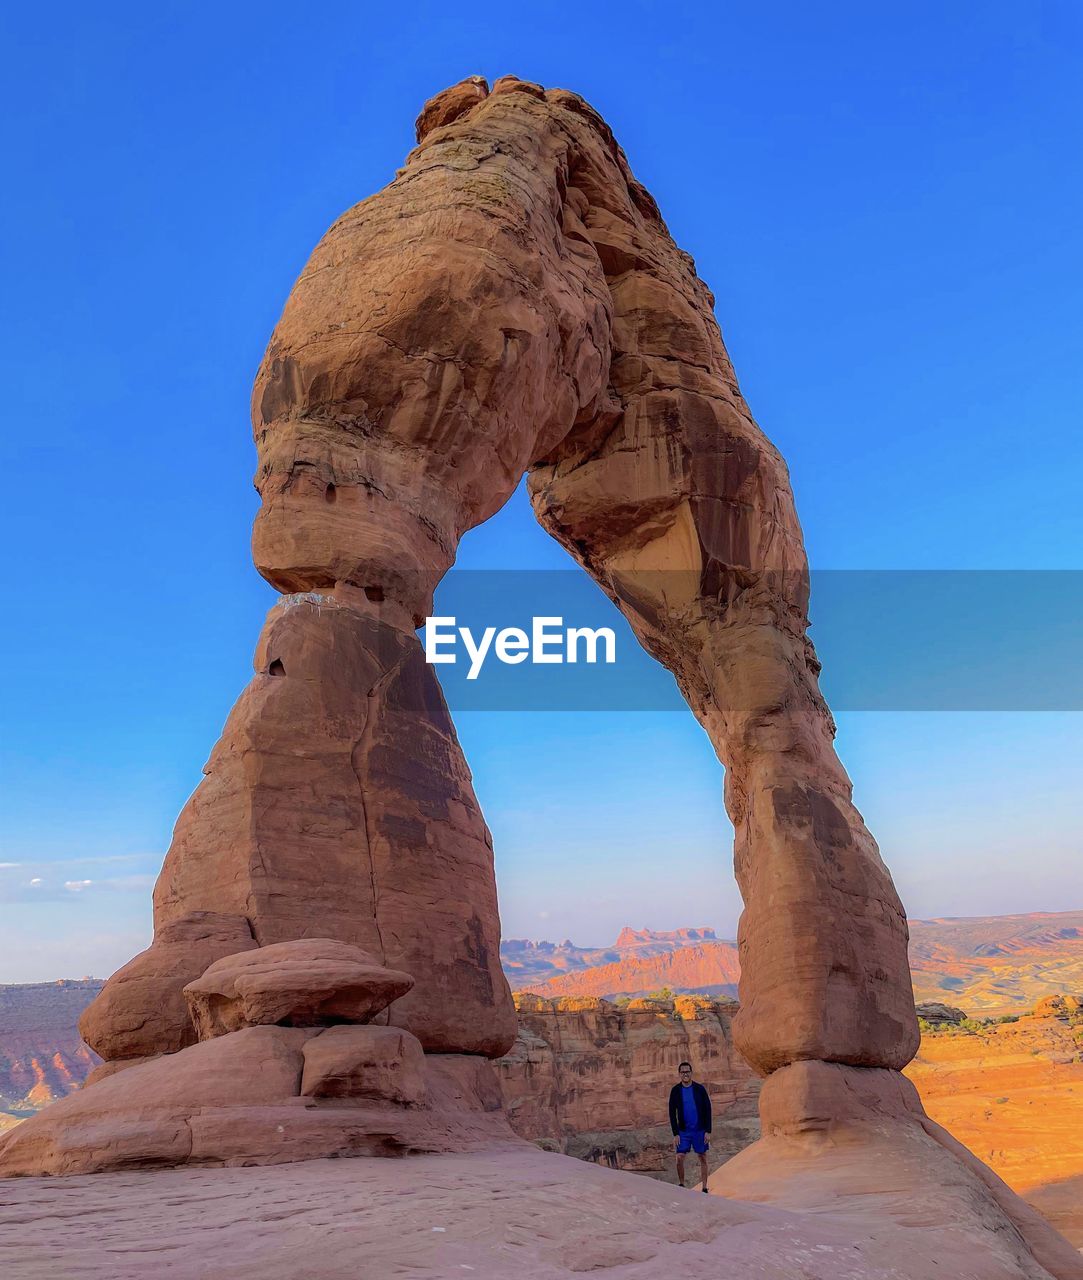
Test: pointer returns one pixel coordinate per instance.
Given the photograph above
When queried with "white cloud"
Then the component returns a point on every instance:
(66, 879)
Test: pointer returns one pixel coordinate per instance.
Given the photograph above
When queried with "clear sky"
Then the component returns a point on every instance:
(885, 200)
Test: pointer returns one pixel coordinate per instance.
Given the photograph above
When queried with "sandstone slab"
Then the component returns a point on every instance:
(485, 1216)
(139, 1116)
(236, 1100)
(307, 983)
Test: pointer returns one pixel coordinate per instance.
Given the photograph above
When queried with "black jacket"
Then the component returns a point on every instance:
(703, 1107)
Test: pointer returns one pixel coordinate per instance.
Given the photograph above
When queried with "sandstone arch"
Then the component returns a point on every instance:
(512, 303)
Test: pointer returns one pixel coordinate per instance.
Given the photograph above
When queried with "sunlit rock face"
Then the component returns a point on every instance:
(591, 1078)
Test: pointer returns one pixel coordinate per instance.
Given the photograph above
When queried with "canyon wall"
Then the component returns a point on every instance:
(592, 1079)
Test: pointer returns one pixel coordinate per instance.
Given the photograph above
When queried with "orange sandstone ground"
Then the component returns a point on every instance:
(1013, 1094)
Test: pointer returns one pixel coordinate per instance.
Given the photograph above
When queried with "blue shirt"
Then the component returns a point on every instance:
(689, 1111)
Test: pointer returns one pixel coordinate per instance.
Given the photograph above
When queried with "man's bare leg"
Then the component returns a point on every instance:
(680, 1170)
(702, 1171)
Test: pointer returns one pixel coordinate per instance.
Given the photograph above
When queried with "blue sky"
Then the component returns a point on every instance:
(886, 202)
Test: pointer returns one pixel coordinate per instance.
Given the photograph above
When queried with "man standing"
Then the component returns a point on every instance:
(690, 1120)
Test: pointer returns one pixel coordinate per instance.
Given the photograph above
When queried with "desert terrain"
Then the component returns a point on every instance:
(1013, 1093)
(988, 965)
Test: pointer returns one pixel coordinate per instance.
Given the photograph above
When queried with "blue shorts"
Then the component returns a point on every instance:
(692, 1140)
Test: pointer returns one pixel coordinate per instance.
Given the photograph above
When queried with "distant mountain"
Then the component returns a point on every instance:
(527, 963)
(707, 968)
(41, 1055)
(988, 964)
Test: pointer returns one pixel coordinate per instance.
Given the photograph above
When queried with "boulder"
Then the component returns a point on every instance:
(940, 1015)
(1064, 1006)
(311, 982)
(365, 1062)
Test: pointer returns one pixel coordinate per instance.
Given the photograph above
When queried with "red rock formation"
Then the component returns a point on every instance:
(513, 304)
(527, 963)
(708, 968)
(239, 1099)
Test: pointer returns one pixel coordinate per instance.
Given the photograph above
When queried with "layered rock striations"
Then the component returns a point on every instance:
(512, 304)
(592, 1079)
(41, 1055)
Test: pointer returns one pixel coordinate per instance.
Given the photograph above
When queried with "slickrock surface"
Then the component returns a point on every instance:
(524, 1214)
(592, 1079)
(237, 1099)
(1013, 1094)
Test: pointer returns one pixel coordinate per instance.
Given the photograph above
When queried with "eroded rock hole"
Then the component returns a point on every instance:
(276, 668)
